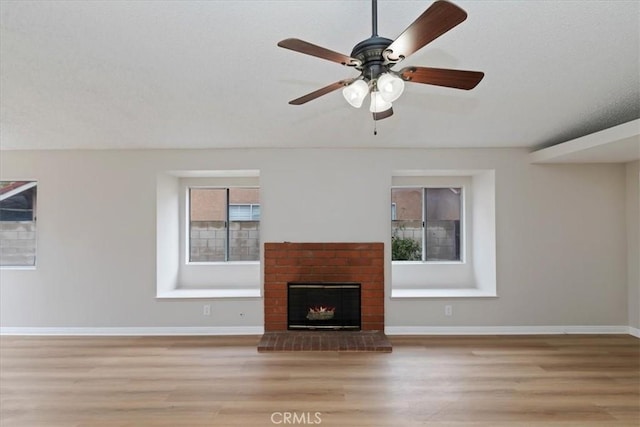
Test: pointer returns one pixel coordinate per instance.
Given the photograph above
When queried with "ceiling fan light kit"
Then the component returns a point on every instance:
(375, 56)
(356, 92)
(390, 86)
(378, 103)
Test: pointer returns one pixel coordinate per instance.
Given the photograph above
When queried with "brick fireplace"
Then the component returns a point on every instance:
(324, 262)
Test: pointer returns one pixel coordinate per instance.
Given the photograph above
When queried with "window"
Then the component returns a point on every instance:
(18, 223)
(426, 224)
(224, 224)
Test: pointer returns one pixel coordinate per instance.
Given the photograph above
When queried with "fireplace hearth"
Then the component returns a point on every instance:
(323, 306)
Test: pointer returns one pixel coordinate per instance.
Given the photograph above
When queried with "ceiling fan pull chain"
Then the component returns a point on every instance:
(375, 122)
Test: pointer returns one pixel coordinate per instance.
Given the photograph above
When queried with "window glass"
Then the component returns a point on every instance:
(224, 224)
(244, 229)
(426, 224)
(442, 209)
(18, 201)
(207, 224)
(406, 228)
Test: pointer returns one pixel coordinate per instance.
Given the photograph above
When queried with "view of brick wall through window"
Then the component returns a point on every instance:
(441, 219)
(324, 262)
(208, 215)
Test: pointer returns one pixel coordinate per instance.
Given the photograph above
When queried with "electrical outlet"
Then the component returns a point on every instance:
(448, 310)
(206, 310)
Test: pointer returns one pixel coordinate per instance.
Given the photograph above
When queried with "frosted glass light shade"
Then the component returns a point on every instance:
(390, 86)
(378, 104)
(356, 92)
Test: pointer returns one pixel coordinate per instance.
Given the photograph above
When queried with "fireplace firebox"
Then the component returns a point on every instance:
(323, 306)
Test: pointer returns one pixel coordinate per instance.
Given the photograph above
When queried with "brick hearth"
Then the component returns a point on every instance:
(343, 341)
(324, 262)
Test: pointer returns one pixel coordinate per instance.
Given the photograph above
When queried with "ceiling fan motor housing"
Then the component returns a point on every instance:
(369, 53)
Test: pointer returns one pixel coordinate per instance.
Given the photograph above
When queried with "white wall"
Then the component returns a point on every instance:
(561, 238)
(633, 242)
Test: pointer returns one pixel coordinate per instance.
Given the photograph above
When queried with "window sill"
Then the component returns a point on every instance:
(17, 267)
(427, 262)
(443, 293)
(210, 293)
(220, 263)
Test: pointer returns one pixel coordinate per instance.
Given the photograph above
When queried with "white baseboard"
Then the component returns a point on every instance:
(505, 330)
(137, 331)
(259, 330)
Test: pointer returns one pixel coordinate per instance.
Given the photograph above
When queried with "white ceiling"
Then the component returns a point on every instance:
(200, 74)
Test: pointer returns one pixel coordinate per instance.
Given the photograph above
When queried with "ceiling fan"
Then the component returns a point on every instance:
(375, 56)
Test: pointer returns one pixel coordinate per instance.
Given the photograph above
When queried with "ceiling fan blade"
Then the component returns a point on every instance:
(458, 79)
(439, 18)
(383, 115)
(318, 51)
(322, 91)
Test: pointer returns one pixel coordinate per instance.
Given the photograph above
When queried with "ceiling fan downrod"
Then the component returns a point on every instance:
(374, 18)
(369, 52)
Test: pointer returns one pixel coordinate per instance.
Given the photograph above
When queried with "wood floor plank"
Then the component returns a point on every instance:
(558, 380)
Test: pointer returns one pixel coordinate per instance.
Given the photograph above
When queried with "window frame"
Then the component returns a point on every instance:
(463, 222)
(186, 236)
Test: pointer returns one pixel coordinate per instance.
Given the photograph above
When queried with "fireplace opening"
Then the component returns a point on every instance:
(327, 306)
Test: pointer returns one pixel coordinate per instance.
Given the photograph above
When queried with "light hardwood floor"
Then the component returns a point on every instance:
(564, 380)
